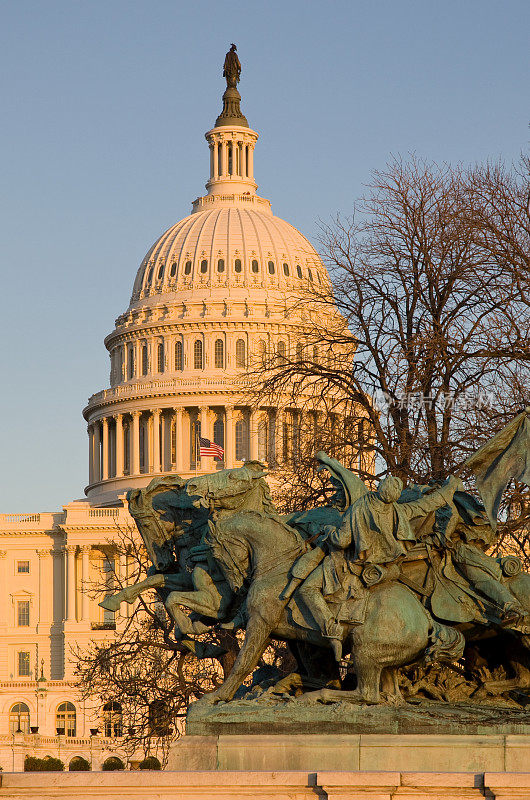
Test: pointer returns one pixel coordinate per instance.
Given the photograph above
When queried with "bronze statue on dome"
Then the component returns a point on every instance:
(232, 68)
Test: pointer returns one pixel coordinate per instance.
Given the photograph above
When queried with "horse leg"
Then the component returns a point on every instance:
(256, 637)
(131, 593)
(368, 673)
(390, 684)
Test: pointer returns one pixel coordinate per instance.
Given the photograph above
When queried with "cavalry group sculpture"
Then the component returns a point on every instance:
(375, 582)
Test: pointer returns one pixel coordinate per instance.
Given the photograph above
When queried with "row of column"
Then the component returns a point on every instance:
(100, 451)
(73, 585)
(242, 159)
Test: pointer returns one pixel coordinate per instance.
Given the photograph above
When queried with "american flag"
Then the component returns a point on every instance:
(208, 448)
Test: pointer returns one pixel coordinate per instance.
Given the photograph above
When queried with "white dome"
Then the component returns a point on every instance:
(241, 245)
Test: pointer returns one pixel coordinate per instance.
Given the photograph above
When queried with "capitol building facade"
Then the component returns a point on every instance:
(213, 294)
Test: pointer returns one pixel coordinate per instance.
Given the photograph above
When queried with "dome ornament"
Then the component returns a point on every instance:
(231, 113)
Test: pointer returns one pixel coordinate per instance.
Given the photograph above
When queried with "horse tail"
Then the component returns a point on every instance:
(445, 643)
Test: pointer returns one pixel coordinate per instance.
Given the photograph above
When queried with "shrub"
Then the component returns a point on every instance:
(46, 764)
(151, 762)
(112, 764)
(79, 764)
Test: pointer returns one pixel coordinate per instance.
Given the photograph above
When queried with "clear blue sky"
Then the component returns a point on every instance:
(104, 107)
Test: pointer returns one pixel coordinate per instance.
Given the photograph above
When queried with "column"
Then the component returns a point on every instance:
(212, 157)
(70, 582)
(224, 157)
(97, 452)
(203, 416)
(179, 444)
(215, 173)
(229, 437)
(119, 445)
(90, 431)
(253, 435)
(45, 590)
(135, 443)
(156, 439)
(85, 600)
(279, 436)
(105, 449)
(250, 165)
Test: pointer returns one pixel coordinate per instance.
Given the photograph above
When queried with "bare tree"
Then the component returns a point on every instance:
(430, 277)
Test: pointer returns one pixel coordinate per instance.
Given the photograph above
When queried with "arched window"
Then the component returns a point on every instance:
(204, 265)
(241, 440)
(112, 719)
(130, 363)
(281, 350)
(187, 268)
(65, 719)
(241, 356)
(173, 270)
(179, 356)
(219, 353)
(237, 265)
(255, 265)
(262, 351)
(299, 352)
(19, 718)
(318, 277)
(160, 271)
(263, 438)
(160, 357)
(286, 269)
(310, 274)
(299, 270)
(221, 265)
(271, 267)
(198, 360)
(315, 354)
(150, 275)
(145, 359)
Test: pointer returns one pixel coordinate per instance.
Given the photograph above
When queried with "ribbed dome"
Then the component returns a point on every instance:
(230, 246)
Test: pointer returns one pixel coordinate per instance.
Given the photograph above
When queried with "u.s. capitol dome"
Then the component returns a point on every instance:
(212, 291)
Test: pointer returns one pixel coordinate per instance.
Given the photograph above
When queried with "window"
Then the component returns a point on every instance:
(145, 360)
(299, 352)
(281, 350)
(310, 274)
(262, 352)
(160, 357)
(187, 268)
(150, 275)
(23, 566)
(237, 265)
(112, 719)
(23, 613)
(271, 267)
(160, 271)
(241, 360)
(299, 270)
(23, 664)
(219, 435)
(255, 265)
(241, 440)
(315, 354)
(179, 356)
(65, 719)
(219, 354)
(221, 265)
(159, 718)
(286, 269)
(19, 718)
(173, 270)
(198, 361)
(204, 265)
(130, 363)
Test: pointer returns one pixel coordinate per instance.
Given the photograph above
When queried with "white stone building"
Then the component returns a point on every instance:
(212, 291)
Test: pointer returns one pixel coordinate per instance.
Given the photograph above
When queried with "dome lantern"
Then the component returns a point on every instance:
(231, 141)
